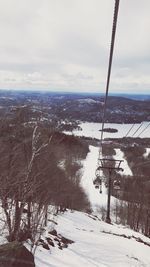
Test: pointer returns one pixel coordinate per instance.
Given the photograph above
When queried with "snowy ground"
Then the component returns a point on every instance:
(146, 154)
(120, 155)
(97, 244)
(91, 129)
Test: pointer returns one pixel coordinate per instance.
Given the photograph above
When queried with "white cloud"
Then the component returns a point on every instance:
(64, 45)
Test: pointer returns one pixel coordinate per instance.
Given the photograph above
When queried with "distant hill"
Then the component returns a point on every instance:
(134, 96)
(121, 108)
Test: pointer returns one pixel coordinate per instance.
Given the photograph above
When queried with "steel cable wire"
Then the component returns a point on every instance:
(137, 129)
(115, 17)
(129, 130)
(144, 130)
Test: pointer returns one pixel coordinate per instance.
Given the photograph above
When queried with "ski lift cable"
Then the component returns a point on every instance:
(130, 130)
(115, 17)
(137, 129)
(116, 9)
(144, 130)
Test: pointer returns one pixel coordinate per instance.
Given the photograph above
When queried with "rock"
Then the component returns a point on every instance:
(14, 254)
(53, 232)
(50, 241)
(41, 240)
(66, 240)
(64, 245)
(24, 235)
(44, 245)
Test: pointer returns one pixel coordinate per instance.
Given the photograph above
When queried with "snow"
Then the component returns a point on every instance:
(146, 154)
(61, 164)
(88, 101)
(3, 230)
(126, 169)
(91, 129)
(97, 244)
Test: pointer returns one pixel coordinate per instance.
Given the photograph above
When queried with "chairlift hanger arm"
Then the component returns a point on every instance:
(111, 168)
(104, 159)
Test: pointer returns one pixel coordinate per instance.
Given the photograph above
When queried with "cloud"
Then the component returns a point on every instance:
(64, 45)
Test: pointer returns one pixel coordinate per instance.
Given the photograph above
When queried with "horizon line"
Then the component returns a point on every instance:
(71, 92)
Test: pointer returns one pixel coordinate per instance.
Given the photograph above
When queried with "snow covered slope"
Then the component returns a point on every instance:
(96, 244)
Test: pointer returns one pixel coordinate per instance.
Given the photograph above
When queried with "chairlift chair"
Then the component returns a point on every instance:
(100, 189)
(116, 184)
(97, 182)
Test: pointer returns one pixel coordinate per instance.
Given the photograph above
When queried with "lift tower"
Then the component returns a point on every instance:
(110, 165)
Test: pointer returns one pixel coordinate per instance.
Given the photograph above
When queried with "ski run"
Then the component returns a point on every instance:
(96, 244)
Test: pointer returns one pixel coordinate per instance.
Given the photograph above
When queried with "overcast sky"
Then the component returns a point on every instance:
(64, 45)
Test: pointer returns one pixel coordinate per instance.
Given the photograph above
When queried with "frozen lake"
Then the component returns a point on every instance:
(92, 129)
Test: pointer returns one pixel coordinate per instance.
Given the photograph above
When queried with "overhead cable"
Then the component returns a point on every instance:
(130, 130)
(116, 9)
(144, 130)
(137, 129)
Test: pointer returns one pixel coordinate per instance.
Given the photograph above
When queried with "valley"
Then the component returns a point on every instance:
(49, 147)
